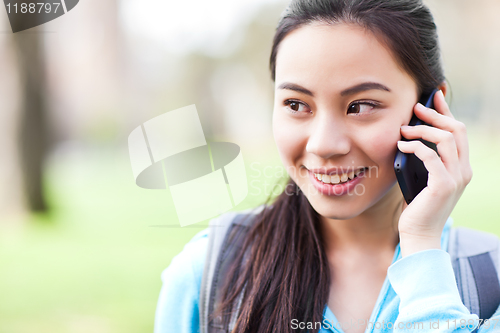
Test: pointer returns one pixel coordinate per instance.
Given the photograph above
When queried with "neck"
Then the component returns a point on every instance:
(375, 230)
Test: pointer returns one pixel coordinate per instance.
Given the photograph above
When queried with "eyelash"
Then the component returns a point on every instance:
(370, 103)
(362, 102)
(290, 101)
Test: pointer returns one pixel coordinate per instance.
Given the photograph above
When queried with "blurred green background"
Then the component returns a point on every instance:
(83, 251)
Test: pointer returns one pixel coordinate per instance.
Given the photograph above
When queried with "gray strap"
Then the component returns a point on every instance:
(463, 272)
(217, 231)
(474, 256)
(487, 286)
(237, 307)
(216, 262)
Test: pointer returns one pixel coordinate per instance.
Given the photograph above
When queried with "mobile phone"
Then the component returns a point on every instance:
(410, 170)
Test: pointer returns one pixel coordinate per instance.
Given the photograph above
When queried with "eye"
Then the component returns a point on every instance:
(361, 107)
(296, 106)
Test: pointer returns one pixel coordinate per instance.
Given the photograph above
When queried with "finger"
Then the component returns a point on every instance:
(445, 142)
(441, 106)
(434, 118)
(446, 123)
(437, 171)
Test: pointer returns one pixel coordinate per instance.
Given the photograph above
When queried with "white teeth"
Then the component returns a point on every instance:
(344, 177)
(335, 179)
(325, 178)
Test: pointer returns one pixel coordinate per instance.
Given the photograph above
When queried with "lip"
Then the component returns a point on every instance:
(335, 171)
(335, 189)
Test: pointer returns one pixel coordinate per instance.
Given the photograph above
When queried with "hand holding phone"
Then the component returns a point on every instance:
(410, 170)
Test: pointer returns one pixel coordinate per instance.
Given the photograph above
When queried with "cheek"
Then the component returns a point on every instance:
(288, 140)
(382, 145)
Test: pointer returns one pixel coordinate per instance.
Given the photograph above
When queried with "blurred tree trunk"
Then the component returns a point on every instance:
(32, 131)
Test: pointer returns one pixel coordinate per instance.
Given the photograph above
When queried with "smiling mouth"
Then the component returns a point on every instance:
(338, 178)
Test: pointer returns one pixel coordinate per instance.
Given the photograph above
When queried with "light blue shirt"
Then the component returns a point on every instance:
(419, 294)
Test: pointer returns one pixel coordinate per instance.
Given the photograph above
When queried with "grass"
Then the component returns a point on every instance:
(479, 207)
(94, 263)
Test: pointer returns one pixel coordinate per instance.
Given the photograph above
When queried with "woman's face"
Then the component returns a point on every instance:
(340, 99)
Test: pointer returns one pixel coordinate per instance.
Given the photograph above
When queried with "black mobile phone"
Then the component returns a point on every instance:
(410, 170)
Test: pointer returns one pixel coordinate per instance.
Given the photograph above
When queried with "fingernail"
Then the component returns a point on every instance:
(441, 92)
(421, 107)
(405, 127)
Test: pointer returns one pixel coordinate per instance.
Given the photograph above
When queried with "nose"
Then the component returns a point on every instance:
(328, 137)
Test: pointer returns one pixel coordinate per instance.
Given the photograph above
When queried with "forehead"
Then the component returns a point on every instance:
(338, 54)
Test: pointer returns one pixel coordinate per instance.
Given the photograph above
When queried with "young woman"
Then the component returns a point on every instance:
(340, 246)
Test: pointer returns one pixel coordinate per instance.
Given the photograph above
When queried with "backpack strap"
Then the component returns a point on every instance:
(475, 260)
(475, 257)
(226, 236)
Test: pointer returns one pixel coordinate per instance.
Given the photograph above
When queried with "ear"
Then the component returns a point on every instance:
(443, 87)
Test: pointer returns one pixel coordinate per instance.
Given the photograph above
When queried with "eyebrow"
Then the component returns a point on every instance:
(349, 91)
(295, 87)
(364, 87)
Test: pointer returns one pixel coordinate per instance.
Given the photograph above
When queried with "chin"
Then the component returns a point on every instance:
(336, 211)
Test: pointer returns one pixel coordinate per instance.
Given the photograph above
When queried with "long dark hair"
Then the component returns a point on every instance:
(286, 271)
